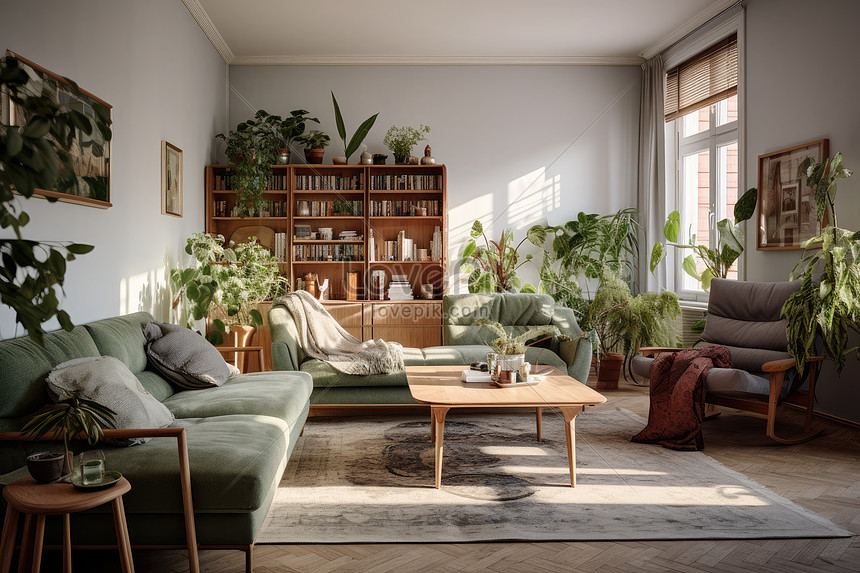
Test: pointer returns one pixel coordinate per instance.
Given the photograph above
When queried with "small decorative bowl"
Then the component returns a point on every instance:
(46, 467)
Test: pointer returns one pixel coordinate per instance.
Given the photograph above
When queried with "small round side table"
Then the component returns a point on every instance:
(32, 499)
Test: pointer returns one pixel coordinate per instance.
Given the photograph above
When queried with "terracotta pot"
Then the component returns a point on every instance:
(314, 156)
(240, 336)
(610, 370)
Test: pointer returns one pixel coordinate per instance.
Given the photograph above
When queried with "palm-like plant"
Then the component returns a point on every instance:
(68, 418)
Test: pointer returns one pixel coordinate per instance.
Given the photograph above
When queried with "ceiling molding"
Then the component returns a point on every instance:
(208, 27)
(687, 27)
(435, 60)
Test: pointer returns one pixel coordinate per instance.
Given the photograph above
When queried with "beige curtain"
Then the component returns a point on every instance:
(652, 184)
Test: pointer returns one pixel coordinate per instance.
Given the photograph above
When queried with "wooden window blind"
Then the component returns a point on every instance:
(704, 79)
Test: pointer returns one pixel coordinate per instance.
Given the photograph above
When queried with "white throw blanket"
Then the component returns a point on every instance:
(323, 338)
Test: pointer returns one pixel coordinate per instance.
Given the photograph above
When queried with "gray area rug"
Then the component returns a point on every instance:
(358, 480)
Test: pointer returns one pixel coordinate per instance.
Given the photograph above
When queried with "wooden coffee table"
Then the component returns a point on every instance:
(441, 387)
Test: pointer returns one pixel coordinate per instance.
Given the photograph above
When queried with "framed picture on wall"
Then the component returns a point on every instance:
(171, 179)
(786, 205)
(90, 152)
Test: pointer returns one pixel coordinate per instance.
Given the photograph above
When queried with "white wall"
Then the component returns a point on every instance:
(522, 145)
(802, 79)
(153, 64)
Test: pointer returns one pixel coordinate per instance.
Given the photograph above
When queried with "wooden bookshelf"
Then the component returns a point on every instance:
(377, 200)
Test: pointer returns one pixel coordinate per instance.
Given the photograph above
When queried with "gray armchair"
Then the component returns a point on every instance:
(745, 317)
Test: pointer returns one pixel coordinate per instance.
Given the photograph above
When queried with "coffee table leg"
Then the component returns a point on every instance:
(439, 433)
(539, 421)
(7, 546)
(432, 427)
(570, 434)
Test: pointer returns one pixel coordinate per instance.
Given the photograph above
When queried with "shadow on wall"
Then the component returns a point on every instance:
(148, 292)
(528, 201)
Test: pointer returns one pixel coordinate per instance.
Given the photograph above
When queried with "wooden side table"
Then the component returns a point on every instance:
(32, 499)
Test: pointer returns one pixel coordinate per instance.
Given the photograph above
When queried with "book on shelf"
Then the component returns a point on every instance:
(328, 252)
(405, 208)
(336, 208)
(328, 182)
(280, 247)
(223, 182)
(436, 245)
(377, 285)
(405, 182)
(399, 288)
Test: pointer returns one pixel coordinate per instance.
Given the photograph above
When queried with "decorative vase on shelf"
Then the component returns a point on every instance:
(314, 156)
(428, 158)
(401, 159)
(379, 158)
(282, 156)
(366, 158)
(338, 160)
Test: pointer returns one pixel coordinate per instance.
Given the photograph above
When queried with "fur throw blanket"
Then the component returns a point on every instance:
(323, 338)
(678, 397)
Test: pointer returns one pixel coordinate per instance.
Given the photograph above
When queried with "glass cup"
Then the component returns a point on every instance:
(92, 467)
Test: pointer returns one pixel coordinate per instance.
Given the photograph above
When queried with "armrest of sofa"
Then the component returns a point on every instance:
(184, 474)
(582, 360)
(286, 354)
(564, 319)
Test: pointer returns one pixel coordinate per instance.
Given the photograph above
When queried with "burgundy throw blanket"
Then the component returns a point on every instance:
(678, 397)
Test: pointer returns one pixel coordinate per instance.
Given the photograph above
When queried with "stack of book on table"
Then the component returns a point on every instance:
(399, 288)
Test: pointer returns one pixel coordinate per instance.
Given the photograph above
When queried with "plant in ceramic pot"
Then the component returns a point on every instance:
(226, 284)
(625, 323)
(357, 137)
(492, 267)
(579, 250)
(827, 306)
(286, 131)
(67, 418)
(511, 349)
(36, 155)
(314, 143)
(401, 140)
(251, 152)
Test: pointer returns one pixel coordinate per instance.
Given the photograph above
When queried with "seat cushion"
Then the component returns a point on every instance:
(234, 461)
(282, 395)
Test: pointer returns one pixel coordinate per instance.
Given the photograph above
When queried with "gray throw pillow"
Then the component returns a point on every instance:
(184, 357)
(108, 381)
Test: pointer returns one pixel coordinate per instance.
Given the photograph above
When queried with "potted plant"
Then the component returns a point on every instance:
(67, 418)
(827, 306)
(717, 261)
(578, 252)
(624, 323)
(314, 143)
(33, 156)
(226, 285)
(286, 131)
(493, 265)
(512, 349)
(357, 137)
(401, 140)
(251, 152)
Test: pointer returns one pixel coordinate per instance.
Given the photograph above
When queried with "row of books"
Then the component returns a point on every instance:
(328, 183)
(329, 208)
(280, 248)
(399, 288)
(270, 209)
(401, 249)
(403, 208)
(328, 252)
(273, 182)
(405, 182)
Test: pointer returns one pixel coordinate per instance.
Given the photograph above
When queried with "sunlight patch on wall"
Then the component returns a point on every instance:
(531, 198)
(148, 292)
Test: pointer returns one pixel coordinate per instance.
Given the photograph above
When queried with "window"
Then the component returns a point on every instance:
(702, 117)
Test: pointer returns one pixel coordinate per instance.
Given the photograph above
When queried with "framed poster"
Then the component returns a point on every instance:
(786, 205)
(171, 179)
(91, 153)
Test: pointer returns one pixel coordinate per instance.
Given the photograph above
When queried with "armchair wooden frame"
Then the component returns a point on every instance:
(184, 478)
(776, 370)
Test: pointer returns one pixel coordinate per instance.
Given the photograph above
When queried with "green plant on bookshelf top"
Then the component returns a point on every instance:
(289, 129)
(314, 139)
(251, 152)
(401, 140)
(357, 137)
(226, 280)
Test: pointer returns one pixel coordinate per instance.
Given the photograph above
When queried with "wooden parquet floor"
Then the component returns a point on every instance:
(822, 475)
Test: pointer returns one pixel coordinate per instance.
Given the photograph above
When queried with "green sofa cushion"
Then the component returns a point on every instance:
(122, 337)
(234, 461)
(282, 395)
(325, 376)
(156, 385)
(25, 365)
(362, 395)
(461, 311)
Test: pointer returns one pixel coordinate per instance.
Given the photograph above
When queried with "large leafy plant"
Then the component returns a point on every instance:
(507, 343)
(579, 251)
(492, 266)
(251, 152)
(401, 140)
(357, 137)
(36, 155)
(625, 323)
(827, 308)
(718, 261)
(227, 282)
(289, 129)
(70, 417)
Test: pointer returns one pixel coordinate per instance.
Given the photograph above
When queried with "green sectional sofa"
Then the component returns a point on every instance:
(239, 438)
(463, 342)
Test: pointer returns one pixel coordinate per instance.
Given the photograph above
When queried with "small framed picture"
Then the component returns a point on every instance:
(171, 179)
(786, 205)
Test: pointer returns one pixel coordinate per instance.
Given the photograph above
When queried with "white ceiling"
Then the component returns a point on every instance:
(447, 31)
